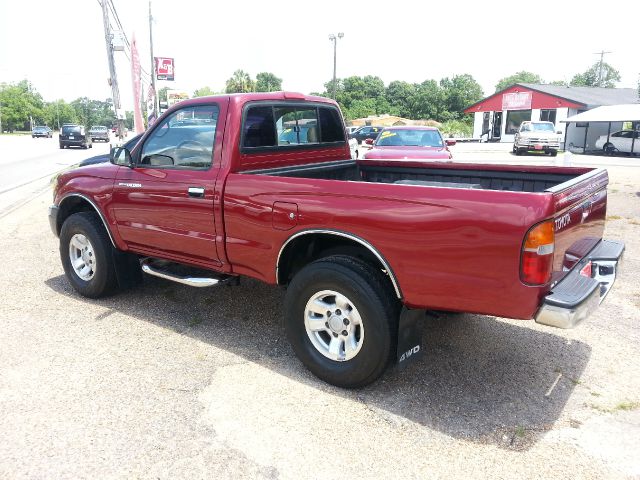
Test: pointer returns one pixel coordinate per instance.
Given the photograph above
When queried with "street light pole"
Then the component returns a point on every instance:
(334, 39)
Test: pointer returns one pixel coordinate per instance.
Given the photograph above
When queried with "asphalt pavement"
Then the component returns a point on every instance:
(27, 165)
(171, 382)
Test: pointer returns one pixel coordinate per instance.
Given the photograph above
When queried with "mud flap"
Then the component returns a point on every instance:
(128, 271)
(410, 329)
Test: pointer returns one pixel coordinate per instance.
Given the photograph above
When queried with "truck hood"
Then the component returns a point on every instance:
(103, 170)
(429, 153)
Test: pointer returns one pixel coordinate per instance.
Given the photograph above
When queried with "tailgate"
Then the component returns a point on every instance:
(580, 211)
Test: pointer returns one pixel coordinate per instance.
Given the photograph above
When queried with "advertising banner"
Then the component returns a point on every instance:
(164, 68)
(138, 122)
(516, 101)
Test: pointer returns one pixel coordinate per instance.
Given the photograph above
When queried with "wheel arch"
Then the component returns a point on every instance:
(77, 202)
(316, 244)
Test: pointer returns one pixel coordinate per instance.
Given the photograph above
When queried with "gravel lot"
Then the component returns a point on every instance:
(171, 382)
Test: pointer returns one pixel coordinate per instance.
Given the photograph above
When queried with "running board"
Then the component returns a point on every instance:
(185, 280)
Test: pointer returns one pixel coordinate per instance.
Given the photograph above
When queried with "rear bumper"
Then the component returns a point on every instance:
(577, 296)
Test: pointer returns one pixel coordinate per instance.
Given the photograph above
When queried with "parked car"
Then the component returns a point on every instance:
(99, 133)
(105, 157)
(352, 130)
(41, 132)
(536, 136)
(620, 141)
(410, 142)
(363, 246)
(72, 135)
(366, 132)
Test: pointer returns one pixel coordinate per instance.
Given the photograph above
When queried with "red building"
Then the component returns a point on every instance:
(497, 117)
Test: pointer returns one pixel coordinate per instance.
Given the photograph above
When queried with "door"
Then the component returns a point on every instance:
(497, 125)
(164, 206)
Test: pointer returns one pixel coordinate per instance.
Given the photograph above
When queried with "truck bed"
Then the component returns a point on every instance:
(469, 232)
(482, 177)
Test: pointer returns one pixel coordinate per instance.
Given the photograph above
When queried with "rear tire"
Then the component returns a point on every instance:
(94, 273)
(553, 153)
(370, 317)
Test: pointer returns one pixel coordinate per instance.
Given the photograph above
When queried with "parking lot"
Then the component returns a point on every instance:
(170, 382)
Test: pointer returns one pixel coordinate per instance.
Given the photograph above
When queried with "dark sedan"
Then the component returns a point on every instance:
(366, 132)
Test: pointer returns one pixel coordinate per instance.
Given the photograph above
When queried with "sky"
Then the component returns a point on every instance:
(59, 45)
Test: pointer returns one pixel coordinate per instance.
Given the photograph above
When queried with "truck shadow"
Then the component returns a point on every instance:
(480, 379)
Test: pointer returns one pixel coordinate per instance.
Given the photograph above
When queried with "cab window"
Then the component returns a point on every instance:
(184, 140)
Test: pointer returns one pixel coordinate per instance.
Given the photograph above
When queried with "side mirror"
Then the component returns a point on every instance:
(368, 141)
(121, 156)
(450, 142)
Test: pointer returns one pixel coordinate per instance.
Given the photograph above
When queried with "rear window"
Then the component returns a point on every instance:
(66, 130)
(272, 126)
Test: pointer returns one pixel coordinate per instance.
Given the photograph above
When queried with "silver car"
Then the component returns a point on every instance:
(99, 133)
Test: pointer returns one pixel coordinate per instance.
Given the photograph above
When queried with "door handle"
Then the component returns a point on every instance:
(197, 192)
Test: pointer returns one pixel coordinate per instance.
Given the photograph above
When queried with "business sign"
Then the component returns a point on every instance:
(164, 68)
(516, 101)
(175, 96)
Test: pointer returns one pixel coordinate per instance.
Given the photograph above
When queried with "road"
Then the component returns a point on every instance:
(169, 382)
(27, 165)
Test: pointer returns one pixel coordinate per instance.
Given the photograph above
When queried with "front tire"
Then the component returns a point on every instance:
(342, 319)
(87, 255)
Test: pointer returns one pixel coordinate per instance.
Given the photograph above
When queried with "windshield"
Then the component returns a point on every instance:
(40, 128)
(99, 129)
(538, 127)
(409, 138)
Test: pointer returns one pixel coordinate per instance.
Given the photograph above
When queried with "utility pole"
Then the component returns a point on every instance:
(602, 54)
(156, 102)
(113, 79)
(334, 39)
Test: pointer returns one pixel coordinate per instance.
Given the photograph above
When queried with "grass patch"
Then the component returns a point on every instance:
(614, 217)
(614, 190)
(627, 406)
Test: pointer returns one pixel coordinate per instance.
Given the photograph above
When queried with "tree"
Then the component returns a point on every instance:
(560, 83)
(162, 94)
(429, 102)
(459, 92)
(401, 98)
(20, 104)
(203, 92)
(520, 77)
(93, 112)
(598, 75)
(268, 82)
(59, 112)
(240, 82)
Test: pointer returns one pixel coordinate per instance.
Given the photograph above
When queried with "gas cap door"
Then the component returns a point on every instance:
(284, 215)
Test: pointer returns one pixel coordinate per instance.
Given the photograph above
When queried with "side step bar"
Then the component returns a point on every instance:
(147, 267)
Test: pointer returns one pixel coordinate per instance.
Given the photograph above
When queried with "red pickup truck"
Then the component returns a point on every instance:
(261, 185)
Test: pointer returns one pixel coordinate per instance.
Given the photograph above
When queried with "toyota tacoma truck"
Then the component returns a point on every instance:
(212, 193)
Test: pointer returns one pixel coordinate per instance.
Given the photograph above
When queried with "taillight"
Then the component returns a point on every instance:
(537, 254)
